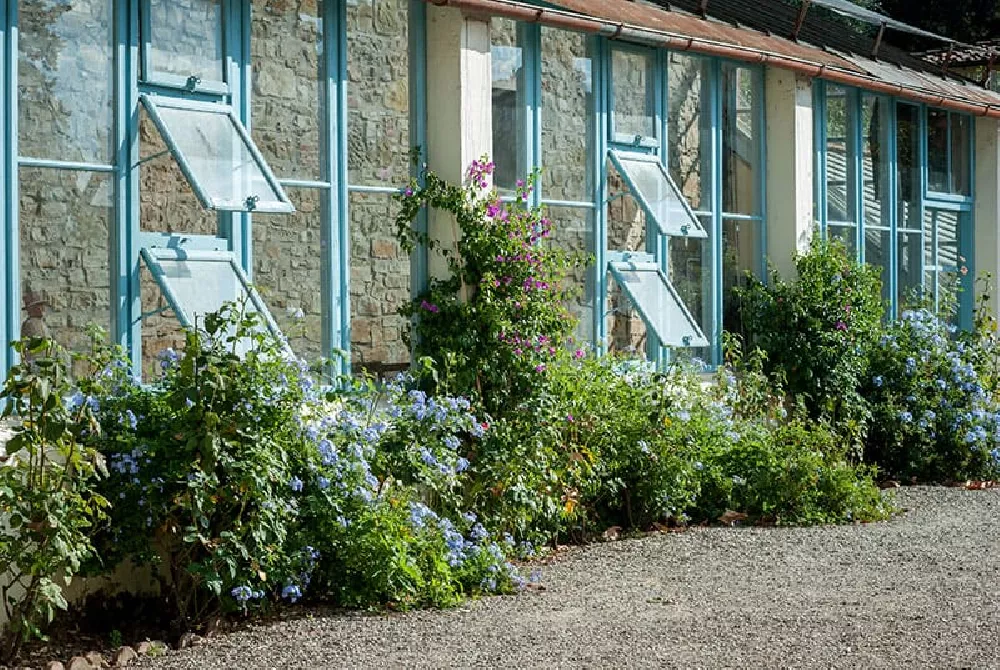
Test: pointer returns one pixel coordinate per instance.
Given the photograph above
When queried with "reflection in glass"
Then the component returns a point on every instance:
(573, 232)
(908, 165)
(652, 186)
(185, 39)
(690, 271)
(509, 141)
(659, 304)
(874, 160)
(567, 116)
(846, 234)
(909, 276)
(740, 153)
(66, 80)
(633, 91)
(225, 173)
(878, 252)
(741, 254)
(689, 130)
(937, 151)
(840, 157)
(961, 142)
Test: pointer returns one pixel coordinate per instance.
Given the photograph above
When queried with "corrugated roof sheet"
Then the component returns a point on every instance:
(767, 26)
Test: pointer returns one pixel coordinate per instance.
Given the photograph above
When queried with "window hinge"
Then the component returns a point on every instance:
(686, 340)
(637, 142)
(192, 82)
(251, 202)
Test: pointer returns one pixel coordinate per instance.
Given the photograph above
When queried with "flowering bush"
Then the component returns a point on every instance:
(249, 485)
(817, 331)
(933, 416)
(493, 323)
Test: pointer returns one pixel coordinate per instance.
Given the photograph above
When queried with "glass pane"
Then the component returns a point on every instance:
(878, 252)
(937, 151)
(380, 285)
(65, 270)
(626, 218)
(185, 39)
(659, 305)
(653, 186)
(741, 253)
(633, 92)
(846, 234)
(378, 101)
(287, 270)
(573, 231)
(201, 286)
(690, 272)
(961, 137)
(625, 327)
(840, 170)
(909, 280)
(944, 265)
(908, 165)
(509, 141)
(160, 328)
(66, 80)
(740, 153)
(286, 44)
(167, 204)
(689, 130)
(219, 160)
(875, 163)
(567, 116)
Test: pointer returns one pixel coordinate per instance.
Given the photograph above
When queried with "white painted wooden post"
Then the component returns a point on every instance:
(986, 235)
(790, 183)
(459, 106)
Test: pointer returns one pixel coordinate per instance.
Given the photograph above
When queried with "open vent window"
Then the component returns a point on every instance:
(196, 283)
(652, 187)
(217, 156)
(658, 303)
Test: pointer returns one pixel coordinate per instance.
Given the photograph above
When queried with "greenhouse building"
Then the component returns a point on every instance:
(161, 157)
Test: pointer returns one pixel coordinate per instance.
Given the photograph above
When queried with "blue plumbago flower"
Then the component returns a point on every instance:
(684, 415)
(323, 483)
(452, 442)
(911, 399)
(168, 358)
(427, 457)
(327, 452)
(930, 415)
(242, 593)
(296, 484)
(508, 539)
(878, 381)
(420, 514)
(342, 520)
(291, 592)
(130, 419)
(462, 464)
(941, 384)
(469, 516)
(478, 532)
(905, 417)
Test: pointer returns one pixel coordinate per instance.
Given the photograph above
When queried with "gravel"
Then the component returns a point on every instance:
(920, 590)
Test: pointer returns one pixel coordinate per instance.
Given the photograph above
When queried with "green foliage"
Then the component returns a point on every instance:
(48, 502)
(245, 485)
(500, 313)
(934, 416)
(817, 331)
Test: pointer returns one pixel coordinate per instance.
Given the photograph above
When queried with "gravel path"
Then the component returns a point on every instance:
(921, 590)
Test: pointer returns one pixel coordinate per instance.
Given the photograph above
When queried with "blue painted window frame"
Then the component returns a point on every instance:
(192, 84)
(927, 199)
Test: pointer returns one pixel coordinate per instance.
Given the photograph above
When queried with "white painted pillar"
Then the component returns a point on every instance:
(459, 106)
(986, 236)
(789, 167)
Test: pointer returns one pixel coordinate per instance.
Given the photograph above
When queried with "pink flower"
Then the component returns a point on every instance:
(540, 367)
(841, 325)
(430, 307)
(578, 354)
(569, 417)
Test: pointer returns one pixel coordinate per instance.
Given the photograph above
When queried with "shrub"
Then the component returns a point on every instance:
(817, 330)
(48, 501)
(249, 486)
(933, 418)
(500, 313)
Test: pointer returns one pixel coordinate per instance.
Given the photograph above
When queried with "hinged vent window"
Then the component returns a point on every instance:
(654, 190)
(657, 302)
(216, 154)
(196, 283)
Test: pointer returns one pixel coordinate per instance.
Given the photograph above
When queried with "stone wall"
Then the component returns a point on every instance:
(287, 109)
(378, 155)
(65, 113)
